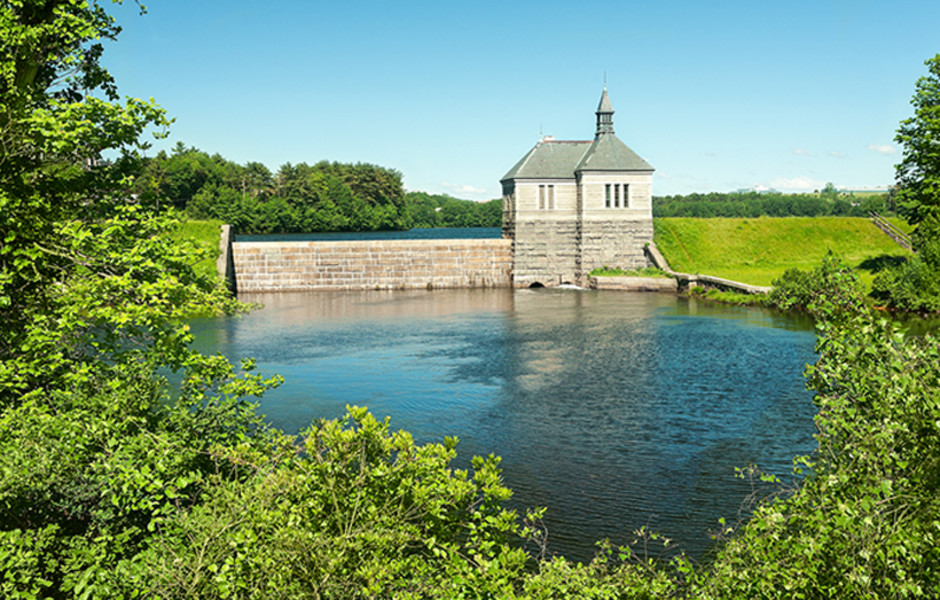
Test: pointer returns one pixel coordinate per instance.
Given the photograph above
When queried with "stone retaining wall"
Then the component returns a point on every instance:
(685, 280)
(372, 265)
(634, 284)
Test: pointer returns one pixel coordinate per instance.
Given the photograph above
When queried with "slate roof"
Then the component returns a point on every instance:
(551, 159)
(608, 153)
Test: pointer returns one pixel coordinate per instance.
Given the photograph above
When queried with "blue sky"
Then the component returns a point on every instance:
(716, 95)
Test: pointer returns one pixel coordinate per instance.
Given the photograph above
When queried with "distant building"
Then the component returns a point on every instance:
(572, 206)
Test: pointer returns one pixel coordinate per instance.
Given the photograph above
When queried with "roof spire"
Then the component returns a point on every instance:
(605, 112)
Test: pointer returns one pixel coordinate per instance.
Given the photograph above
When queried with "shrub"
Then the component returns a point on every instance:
(353, 511)
(832, 281)
(864, 524)
(737, 298)
(915, 284)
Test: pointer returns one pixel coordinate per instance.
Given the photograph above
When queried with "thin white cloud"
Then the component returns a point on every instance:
(836, 154)
(794, 184)
(463, 188)
(886, 149)
(802, 152)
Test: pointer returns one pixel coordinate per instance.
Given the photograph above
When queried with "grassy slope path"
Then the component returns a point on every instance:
(756, 251)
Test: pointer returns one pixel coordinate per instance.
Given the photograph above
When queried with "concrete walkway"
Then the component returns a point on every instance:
(686, 280)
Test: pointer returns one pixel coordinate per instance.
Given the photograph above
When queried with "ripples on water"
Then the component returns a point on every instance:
(614, 410)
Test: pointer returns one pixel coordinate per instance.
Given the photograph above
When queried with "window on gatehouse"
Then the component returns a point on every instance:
(547, 197)
(616, 195)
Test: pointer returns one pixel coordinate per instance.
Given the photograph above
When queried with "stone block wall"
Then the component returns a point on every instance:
(372, 265)
(551, 252)
(545, 252)
(614, 244)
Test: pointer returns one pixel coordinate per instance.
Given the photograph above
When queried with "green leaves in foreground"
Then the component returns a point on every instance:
(866, 523)
(351, 510)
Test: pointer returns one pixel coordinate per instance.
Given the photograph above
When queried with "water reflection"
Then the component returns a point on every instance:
(615, 410)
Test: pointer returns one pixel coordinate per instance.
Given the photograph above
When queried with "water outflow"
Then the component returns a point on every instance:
(615, 410)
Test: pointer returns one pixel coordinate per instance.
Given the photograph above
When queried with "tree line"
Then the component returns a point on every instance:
(333, 196)
(752, 204)
(299, 198)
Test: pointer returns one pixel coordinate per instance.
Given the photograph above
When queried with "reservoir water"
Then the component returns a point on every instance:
(614, 410)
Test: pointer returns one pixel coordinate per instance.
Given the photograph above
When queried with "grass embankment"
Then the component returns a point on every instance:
(757, 251)
(206, 234)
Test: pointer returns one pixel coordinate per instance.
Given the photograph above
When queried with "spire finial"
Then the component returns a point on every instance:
(605, 112)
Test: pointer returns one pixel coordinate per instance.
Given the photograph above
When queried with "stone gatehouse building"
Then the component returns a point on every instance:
(572, 206)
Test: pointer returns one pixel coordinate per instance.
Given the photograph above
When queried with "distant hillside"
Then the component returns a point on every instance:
(758, 250)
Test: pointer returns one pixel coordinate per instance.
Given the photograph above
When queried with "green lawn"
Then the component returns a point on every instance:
(206, 234)
(756, 251)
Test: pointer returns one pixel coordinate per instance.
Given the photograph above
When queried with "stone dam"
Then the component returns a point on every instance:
(372, 265)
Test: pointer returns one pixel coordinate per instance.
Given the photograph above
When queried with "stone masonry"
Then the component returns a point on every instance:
(372, 265)
(615, 244)
(545, 252)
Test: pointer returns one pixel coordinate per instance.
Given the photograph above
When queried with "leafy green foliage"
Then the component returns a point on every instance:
(918, 174)
(298, 198)
(797, 289)
(915, 284)
(736, 298)
(93, 288)
(206, 235)
(350, 511)
(864, 523)
(328, 196)
(427, 210)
